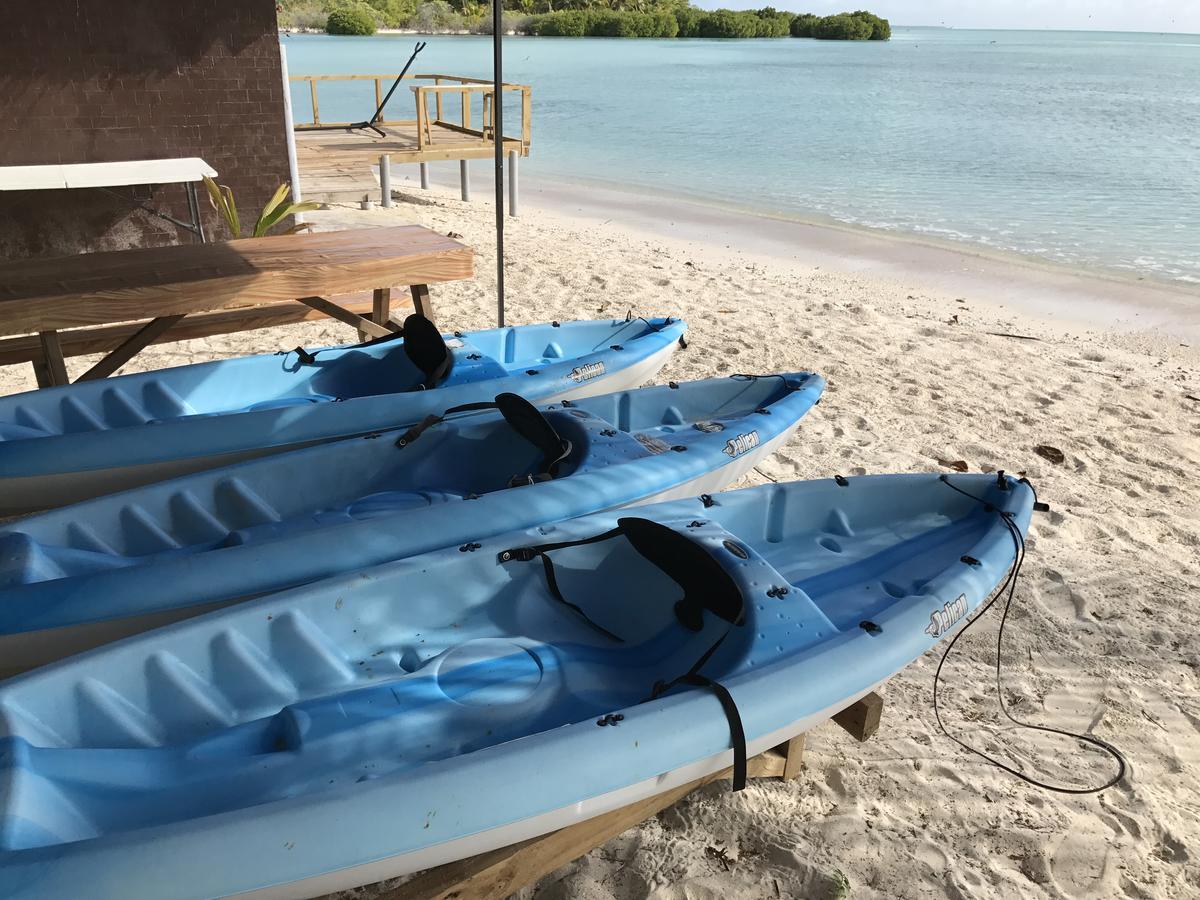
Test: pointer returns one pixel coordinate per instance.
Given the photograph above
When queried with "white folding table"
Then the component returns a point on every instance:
(107, 175)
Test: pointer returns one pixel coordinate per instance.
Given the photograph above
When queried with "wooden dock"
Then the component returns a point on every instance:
(337, 161)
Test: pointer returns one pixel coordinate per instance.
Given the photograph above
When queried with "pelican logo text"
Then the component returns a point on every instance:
(585, 373)
(740, 444)
(942, 620)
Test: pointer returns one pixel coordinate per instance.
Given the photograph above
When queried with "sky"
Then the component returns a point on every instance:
(1101, 15)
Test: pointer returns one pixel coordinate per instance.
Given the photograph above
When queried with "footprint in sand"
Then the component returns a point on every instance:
(1080, 865)
(1062, 599)
(933, 856)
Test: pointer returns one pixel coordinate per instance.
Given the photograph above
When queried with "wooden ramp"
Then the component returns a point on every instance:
(342, 166)
(339, 162)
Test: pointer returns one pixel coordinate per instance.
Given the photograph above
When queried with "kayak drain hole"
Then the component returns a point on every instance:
(830, 544)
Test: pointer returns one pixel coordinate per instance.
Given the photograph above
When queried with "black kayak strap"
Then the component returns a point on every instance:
(308, 357)
(525, 554)
(429, 421)
(737, 732)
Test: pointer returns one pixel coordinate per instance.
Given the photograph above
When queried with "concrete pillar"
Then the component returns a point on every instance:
(385, 181)
(464, 179)
(512, 183)
(424, 176)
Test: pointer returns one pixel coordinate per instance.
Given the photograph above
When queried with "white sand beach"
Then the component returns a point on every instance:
(981, 361)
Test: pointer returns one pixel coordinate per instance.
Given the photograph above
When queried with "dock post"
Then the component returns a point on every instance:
(424, 176)
(464, 178)
(385, 181)
(512, 183)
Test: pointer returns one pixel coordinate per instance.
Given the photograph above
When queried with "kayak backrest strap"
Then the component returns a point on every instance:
(706, 586)
(426, 349)
(529, 422)
(525, 419)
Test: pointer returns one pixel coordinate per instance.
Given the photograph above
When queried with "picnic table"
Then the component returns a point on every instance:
(51, 308)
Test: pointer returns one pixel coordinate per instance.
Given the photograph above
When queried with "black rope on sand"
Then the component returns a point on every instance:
(1008, 589)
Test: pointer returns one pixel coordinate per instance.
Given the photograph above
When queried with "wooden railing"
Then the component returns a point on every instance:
(440, 89)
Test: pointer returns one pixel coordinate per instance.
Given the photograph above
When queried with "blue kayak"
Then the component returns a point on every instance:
(291, 518)
(386, 721)
(64, 444)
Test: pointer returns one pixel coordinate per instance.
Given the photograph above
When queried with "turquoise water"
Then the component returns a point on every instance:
(1076, 148)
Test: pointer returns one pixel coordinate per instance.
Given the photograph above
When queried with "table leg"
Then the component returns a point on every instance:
(130, 347)
(365, 326)
(382, 305)
(54, 365)
(420, 299)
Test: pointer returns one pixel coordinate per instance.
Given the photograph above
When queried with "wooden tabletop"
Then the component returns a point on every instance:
(102, 288)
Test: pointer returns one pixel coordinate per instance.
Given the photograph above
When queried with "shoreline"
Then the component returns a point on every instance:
(1055, 294)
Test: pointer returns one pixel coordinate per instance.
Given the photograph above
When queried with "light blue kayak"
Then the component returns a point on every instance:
(267, 524)
(64, 444)
(394, 719)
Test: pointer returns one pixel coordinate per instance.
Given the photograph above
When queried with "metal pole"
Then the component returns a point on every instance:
(194, 209)
(498, 141)
(289, 124)
(512, 183)
(464, 179)
(385, 181)
(424, 176)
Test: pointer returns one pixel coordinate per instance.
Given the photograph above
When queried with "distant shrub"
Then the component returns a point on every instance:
(725, 23)
(605, 23)
(436, 16)
(656, 19)
(772, 23)
(304, 14)
(881, 29)
(665, 23)
(687, 20)
(568, 23)
(393, 13)
(512, 23)
(842, 27)
(856, 26)
(802, 25)
(356, 18)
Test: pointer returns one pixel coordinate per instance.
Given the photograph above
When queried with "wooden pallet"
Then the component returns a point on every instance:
(503, 872)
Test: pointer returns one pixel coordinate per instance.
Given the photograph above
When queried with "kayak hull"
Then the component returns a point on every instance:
(536, 826)
(347, 781)
(95, 438)
(122, 595)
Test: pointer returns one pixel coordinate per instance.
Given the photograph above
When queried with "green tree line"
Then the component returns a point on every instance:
(580, 18)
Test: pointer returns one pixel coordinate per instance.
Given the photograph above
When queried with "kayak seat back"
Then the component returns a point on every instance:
(529, 422)
(427, 350)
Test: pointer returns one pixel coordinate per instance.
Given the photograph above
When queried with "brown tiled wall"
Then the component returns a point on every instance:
(110, 80)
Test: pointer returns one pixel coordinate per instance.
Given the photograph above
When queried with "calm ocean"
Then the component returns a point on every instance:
(1080, 148)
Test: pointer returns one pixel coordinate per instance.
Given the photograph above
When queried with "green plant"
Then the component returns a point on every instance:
(353, 18)
(308, 14)
(393, 13)
(725, 23)
(881, 29)
(221, 198)
(856, 26)
(567, 23)
(802, 25)
(688, 19)
(842, 27)
(437, 16)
